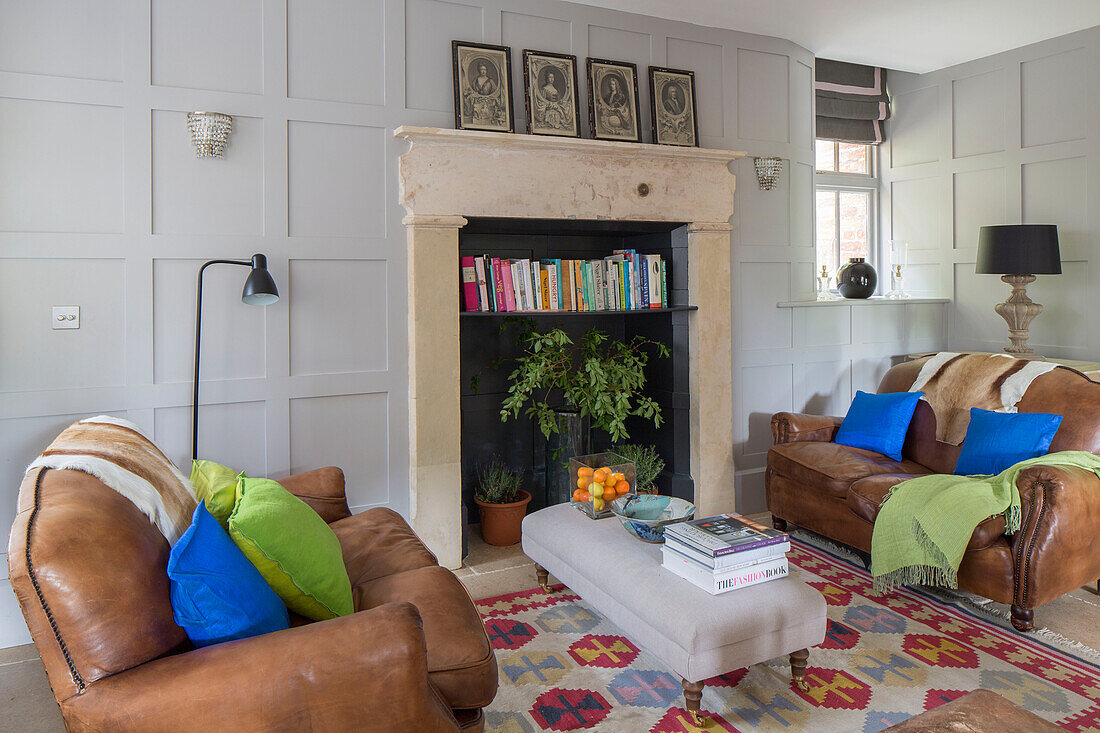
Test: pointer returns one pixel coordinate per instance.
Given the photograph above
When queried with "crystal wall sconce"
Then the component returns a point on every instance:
(767, 171)
(209, 133)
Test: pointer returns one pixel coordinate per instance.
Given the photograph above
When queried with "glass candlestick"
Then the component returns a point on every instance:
(823, 280)
(899, 258)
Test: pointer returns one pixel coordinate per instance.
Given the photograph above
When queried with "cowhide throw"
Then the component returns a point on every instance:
(117, 453)
(953, 383)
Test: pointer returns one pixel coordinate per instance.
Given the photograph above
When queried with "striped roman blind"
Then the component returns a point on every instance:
(851, 102)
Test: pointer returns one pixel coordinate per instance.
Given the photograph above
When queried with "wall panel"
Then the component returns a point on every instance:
(208, 44)
(978, 114)
(336, 51)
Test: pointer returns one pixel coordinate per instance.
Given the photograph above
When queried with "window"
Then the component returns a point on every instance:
(845, 193)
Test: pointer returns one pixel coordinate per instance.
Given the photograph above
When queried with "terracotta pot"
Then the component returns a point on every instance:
(500, 523)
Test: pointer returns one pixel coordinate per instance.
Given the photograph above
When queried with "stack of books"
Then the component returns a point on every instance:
(625, 280)
(725, 552)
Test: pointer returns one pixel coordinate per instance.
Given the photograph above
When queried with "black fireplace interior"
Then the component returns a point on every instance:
(487, 337)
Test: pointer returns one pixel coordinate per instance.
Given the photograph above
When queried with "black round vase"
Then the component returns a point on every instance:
(857, 279)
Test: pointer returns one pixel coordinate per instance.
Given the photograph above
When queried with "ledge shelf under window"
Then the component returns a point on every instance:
(859, 301)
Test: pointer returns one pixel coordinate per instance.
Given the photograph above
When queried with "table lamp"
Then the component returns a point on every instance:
(1018, 252)
(259, 289)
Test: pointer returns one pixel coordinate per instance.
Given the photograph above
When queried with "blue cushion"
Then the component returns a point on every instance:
(217, 595)
(997, 440)
(878, 422)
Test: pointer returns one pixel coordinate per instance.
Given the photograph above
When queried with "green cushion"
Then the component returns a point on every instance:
(292, 547)
(216, 486)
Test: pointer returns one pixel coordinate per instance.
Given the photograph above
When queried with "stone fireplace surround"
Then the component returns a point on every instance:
(447, 175)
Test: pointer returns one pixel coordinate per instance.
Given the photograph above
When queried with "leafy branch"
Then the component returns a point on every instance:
(602, 378)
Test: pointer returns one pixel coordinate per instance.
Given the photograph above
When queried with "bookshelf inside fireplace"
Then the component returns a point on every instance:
(488, 338)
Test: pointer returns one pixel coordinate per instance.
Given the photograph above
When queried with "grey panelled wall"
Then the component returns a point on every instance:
(103, 205)
(1007, 139)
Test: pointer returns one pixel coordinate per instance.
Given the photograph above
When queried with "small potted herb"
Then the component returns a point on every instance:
(647, 465)
(501, 502)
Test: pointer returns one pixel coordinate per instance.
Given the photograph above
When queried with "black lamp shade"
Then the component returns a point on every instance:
(1018, 249)
(259, 288)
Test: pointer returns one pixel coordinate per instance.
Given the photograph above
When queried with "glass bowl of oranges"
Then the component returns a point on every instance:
(598, 480)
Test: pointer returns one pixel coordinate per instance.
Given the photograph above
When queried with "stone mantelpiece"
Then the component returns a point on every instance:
(449, 174)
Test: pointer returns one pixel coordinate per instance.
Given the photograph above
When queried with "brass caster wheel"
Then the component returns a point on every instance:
(698, 719)
(802, 684)
(545, 588)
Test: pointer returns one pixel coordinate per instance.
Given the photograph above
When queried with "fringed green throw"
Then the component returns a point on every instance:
(924, 524)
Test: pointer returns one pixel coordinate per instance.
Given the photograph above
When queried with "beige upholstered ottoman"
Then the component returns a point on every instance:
(696, 634)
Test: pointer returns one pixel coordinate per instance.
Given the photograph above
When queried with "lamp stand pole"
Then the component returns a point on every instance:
(1018, 312)
(198, 337)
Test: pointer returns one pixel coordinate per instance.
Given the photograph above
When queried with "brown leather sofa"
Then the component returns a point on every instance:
(89, 571)
(836, 491)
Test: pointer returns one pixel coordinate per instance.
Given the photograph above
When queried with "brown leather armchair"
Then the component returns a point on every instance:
(89, 571)
(836, 491)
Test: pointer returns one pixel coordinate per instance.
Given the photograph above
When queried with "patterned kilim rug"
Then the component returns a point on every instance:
(886, 657)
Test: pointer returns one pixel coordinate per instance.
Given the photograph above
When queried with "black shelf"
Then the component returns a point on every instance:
(548, 314)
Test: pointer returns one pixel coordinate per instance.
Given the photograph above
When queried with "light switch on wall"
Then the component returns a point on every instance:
(66, 317)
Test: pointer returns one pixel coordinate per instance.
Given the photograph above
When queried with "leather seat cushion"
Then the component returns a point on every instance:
(460, 660)
(377, 543)
(866, 496)
(831, 467)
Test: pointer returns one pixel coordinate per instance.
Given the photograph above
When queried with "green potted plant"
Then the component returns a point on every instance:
(600, 381)
(501, 502)
(647, 465)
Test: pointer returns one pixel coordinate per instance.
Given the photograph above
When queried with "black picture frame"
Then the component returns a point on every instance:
(494, 97)
(670, 127)
(537, 104)
(603, 116)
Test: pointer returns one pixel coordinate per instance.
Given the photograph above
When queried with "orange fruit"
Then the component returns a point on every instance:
(582, 483)
(622, 487)
(584, 471)
(578, 494)
(600, 475)
(609, 494)
(616, 478)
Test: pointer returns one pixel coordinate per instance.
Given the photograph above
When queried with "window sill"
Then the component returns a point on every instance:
(877, 300)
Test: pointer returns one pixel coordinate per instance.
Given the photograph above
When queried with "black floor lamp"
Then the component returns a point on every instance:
(259, 289)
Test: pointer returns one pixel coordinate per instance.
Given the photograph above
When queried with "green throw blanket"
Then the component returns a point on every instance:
(924, 524)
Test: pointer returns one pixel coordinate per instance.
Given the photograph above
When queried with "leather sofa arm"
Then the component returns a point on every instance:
(322, 489)
(363, 672)
(1057, 548)
(794, 427)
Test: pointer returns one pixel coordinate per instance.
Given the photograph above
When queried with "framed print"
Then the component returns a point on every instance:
(613, 100)
(550, 94)
(483, 86)
(672, 100)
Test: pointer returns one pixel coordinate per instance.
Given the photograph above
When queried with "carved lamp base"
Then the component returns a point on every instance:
(1018, 312)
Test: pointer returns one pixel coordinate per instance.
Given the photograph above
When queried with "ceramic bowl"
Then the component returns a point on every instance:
(646, 515)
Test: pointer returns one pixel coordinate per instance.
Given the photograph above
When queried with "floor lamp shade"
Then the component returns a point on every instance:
(259, 289)
(1018, 249)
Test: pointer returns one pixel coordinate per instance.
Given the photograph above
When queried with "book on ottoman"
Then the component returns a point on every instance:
(725, 552)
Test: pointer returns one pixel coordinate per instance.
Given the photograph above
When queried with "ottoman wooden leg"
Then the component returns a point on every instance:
(693, 693)
(779, 523)
(543, 576)
(798, 668)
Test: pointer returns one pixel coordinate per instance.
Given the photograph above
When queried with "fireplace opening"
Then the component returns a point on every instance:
(489, 337)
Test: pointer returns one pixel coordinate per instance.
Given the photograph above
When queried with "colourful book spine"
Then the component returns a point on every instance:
(517, 283)
(664, 285)
(627, 289)
(561, 300)
(645, 281)
(552, 278)
(469, 283)
(622, 285)
(612, 285)
(586, 271)
(578, 285)
(482, 284)
(536, 286)
(498, 285)
(653, 263)
(509, 287)
(544, 277)
(567, 285)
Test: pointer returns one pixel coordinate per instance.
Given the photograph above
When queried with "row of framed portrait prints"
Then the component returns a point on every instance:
(483, 96)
